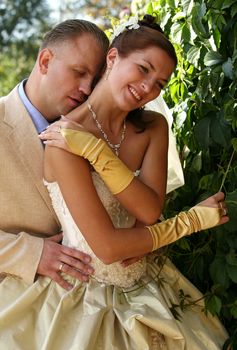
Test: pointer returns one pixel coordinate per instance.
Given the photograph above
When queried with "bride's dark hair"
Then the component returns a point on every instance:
(148, 34)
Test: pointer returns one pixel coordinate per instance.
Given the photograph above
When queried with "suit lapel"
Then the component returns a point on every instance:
(23, 137)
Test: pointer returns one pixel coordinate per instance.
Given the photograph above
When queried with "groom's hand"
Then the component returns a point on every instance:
(57, 258)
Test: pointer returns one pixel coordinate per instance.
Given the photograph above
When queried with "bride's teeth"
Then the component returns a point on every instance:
(133, 91)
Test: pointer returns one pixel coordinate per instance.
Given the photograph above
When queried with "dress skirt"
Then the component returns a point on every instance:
(99, 316)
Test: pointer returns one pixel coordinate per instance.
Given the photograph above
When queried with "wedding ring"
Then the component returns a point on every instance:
(60, 267)
(224, 210)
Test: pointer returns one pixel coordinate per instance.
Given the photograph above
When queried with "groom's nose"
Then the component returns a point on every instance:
(85, 86)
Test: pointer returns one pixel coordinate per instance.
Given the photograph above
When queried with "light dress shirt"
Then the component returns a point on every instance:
(37, 118)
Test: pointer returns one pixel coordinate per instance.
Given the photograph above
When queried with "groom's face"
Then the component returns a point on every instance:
(69, 71)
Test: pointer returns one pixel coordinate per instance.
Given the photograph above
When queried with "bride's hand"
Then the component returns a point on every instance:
(52, 135)
(217, 201)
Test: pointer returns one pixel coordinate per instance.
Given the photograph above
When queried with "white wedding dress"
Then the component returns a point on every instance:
(118, 309)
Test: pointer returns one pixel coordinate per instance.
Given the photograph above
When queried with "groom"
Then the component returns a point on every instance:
(68, 63)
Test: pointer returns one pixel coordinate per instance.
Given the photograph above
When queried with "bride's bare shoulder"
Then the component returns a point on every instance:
(154, 120)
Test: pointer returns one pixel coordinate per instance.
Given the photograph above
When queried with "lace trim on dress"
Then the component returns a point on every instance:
(115, 273)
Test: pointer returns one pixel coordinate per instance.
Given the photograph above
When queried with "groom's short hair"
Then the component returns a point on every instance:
(73, 28)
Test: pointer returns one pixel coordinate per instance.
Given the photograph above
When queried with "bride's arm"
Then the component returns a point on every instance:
(143, 197)
(110, 244)
(73, 175)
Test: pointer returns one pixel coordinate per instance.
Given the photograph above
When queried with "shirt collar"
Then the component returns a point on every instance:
(40, 122)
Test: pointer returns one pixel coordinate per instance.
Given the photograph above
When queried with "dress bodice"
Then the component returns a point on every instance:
(114, 273)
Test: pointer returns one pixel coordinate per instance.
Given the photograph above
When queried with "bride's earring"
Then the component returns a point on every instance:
(108, 70)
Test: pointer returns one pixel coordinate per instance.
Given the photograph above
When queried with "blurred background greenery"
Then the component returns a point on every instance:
(202, 96)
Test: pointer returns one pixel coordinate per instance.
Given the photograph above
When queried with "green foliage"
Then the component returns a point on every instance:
(22, 20)
(99, 10)
(14, 67)
(22, 23)
(202, 94)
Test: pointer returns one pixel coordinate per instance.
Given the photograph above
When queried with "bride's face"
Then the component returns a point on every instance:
(138, 78)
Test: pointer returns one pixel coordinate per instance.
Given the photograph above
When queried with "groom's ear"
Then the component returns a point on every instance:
(45, 56)
(111, 56)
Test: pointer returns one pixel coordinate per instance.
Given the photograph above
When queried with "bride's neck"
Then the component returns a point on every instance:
(105, 109)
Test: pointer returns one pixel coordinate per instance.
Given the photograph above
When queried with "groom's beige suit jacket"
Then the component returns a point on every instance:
(26, 213)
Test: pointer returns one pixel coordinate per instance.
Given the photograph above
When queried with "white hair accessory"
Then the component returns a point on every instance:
(131, 23)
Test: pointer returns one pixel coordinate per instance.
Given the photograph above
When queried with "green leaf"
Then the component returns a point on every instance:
(173, 89)
(220, 131)
(198, 13)
(193, 55)
(234, 143)
(187, 6)
(176, 32)
(231, 201)
(216, 79)
(231, 258)
(163, 3)
(232, 272)
(197, 162)
(184, 244)
(212, 57)
(149, 9)
(179, 15)
(217, 37)
(171, 3)
(205, 182)
(202, 9)
(217, 4)
(213, 304)
(233, 311)
(233, 10)
(220, 22)
(204, 81)
(211, 181)
(202, 132)
(218, 272)
(232, 197)
(228, 69)
(228, 3)
(183, 90)
(186, 35)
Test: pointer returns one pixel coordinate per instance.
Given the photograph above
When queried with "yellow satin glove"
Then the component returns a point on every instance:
(112, 170)
(196, 219)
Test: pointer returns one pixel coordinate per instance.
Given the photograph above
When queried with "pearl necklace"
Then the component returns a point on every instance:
(115, 147)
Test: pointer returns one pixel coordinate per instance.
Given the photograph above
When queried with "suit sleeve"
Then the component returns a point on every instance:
(20, 255)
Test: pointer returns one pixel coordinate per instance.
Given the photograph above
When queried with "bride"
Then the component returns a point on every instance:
(121, 307)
